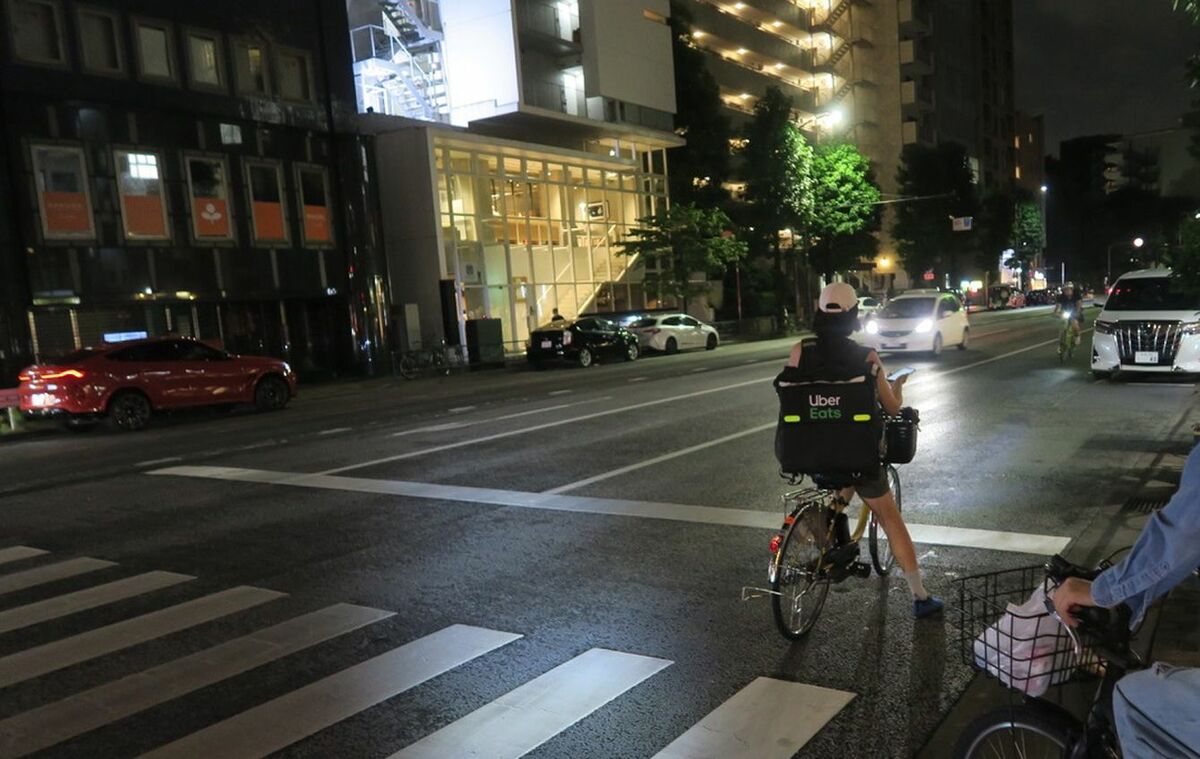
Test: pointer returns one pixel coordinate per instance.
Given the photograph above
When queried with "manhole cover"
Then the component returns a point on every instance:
(1144, 505)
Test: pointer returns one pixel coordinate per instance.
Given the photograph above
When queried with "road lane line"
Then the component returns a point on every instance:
(462, 409)
(638, 379)
(561, 392)
(433, 428)
(51, 657)
(278, 723)
(544, 426)
(768, 719)
(459, 425)
(17, 553)
(947, 372)
(528, 716)
(88, 598)
(658, 459)
(159, 462)
(334, 431)
(715, 515)
(83, 712)
(51, 573)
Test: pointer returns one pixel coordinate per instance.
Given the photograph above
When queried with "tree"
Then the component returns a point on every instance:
(777, 162)
(1027, 230)
(995, 226)
(1185, 259)
(699, 168)
(681, 242)
(940, 186)
(845, 203)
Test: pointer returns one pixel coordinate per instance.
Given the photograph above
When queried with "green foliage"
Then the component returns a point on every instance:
(1026, 234)
(1185, 259)
(698, 168)
(846, 203)
(681, 242)
(778, 163)
(923, 231)
(995, 226)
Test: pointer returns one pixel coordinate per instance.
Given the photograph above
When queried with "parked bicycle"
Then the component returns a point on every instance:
(414, 363)
(1034, 652)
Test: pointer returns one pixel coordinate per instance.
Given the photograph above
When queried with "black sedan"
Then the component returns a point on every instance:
(583, 341)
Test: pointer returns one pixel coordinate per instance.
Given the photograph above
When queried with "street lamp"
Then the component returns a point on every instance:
(1136, 242)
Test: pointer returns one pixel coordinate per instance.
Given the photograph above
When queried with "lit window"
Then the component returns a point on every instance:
(154, 50)
(295, 80)
(1018, 172)
(1017, 142)
(142, 195)
(250, 67)
(100, 41)
(204, 60)
(37, 31)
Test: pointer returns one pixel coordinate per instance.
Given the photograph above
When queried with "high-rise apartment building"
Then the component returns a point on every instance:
(881, 73)
(1030, 144)
(519, 141)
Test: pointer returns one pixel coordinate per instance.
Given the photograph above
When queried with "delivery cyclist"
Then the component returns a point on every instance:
(835, 321)
(1070, 301)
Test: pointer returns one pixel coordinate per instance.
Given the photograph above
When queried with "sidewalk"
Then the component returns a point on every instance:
(1170, 632)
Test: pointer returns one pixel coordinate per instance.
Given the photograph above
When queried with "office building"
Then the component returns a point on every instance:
(1030, 144)
(518, 142)
(189, 168)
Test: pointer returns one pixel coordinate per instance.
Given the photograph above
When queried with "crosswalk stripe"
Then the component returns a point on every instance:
(528, 716)
(62, 720)
(59, 654)
(88, 598)
(281, 722)
(51, 572)
(16, 553)
(768, 719)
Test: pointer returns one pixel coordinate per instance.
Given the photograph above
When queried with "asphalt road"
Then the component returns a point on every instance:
(545, 564)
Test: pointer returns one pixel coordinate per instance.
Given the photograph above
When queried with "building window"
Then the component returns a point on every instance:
(141, 189)
(154, 49)
(1018, 172)
(313, 182)
(208, 193)
(37, 31)
(295, 76)
(250, 68)
(205, 60)
(63, 199)
(265, 182)
(100, 41)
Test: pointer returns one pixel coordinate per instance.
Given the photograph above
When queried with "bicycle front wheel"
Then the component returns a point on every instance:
(799, 586)
(409, 367)
(1021, 732)
(880, 547)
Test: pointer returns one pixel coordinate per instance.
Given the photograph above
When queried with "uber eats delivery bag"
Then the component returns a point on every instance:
(828, 426)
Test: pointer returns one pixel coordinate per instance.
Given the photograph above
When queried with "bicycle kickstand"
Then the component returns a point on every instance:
(750, 593)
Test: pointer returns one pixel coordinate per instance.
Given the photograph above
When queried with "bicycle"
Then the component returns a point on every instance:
(1068, 338)
(412, 363)
(1098, 649)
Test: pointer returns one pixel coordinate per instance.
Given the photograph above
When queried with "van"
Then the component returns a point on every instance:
(1149, 324)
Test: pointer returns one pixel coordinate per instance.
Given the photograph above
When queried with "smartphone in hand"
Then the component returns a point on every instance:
(899, 373)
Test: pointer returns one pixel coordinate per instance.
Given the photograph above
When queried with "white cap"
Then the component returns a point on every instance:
(838, 298)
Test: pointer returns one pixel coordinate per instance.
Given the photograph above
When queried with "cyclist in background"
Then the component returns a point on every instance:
(1071, 300)
(835, 321)
(1157, 710)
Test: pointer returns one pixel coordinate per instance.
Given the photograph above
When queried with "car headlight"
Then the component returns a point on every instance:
(1189, 328)
(872, 328)
(1107, 328)
(924, 327)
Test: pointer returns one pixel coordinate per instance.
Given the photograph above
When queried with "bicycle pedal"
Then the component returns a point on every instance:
(861, 569)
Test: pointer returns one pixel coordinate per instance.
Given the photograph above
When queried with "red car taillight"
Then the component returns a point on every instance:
(63, 374)
(24, 377)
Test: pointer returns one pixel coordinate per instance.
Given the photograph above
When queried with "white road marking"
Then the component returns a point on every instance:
(658, 459)
(83, 712)
(561, 392)
(17, 553)
(770, 520)
(278, 723)
(537, 427)
(51, 573)
(517, 415)
(528, 716)
(159, 462)
(638, 379)
(88, 598)
(50, 657)
(334, 431)
(947, 372)
(263, 444)
(768, 719)
(462, 409)
(699, 369)
(433, 428)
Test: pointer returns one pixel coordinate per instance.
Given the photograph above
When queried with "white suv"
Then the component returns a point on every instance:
(918, 320)
(1147, 325)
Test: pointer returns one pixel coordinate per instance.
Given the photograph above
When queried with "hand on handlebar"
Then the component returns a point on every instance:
(1072, 594)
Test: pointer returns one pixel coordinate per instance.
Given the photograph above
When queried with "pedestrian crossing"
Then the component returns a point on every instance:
(768, 718)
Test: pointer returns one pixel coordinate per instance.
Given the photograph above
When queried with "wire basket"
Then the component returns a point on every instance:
(1007, 633)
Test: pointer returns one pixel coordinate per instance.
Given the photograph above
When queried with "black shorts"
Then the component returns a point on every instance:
(873, 486)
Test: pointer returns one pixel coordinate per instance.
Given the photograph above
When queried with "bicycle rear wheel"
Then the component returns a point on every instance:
(1022, 732)
(879, 546)
(409, 367)
(799, 584)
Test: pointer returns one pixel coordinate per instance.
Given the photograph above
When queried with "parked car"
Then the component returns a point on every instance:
(127, 382)
(1148, 324)
(1040, 297)
(583, 341)
(672, 333)
(919, 321)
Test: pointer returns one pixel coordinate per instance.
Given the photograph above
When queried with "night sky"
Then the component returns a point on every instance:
(1099, 66)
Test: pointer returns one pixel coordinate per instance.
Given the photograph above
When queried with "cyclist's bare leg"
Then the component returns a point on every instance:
(893, 525)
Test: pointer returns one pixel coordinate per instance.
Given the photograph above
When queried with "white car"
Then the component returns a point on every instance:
(672, 333)
(1147, 325)
(868, 305)
(918, 321)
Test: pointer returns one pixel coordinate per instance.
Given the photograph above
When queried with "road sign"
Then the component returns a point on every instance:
(963, 223)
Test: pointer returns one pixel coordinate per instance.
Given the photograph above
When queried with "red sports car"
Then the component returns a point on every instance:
(127, 382)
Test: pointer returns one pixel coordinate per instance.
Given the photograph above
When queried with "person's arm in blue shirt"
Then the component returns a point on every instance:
(1165, 553)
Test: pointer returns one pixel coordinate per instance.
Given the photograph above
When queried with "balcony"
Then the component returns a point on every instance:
(916, 58)
(550, 27)
(914, 97)
(914, 18)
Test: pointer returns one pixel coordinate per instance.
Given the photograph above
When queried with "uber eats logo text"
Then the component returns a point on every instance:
(824, 407)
